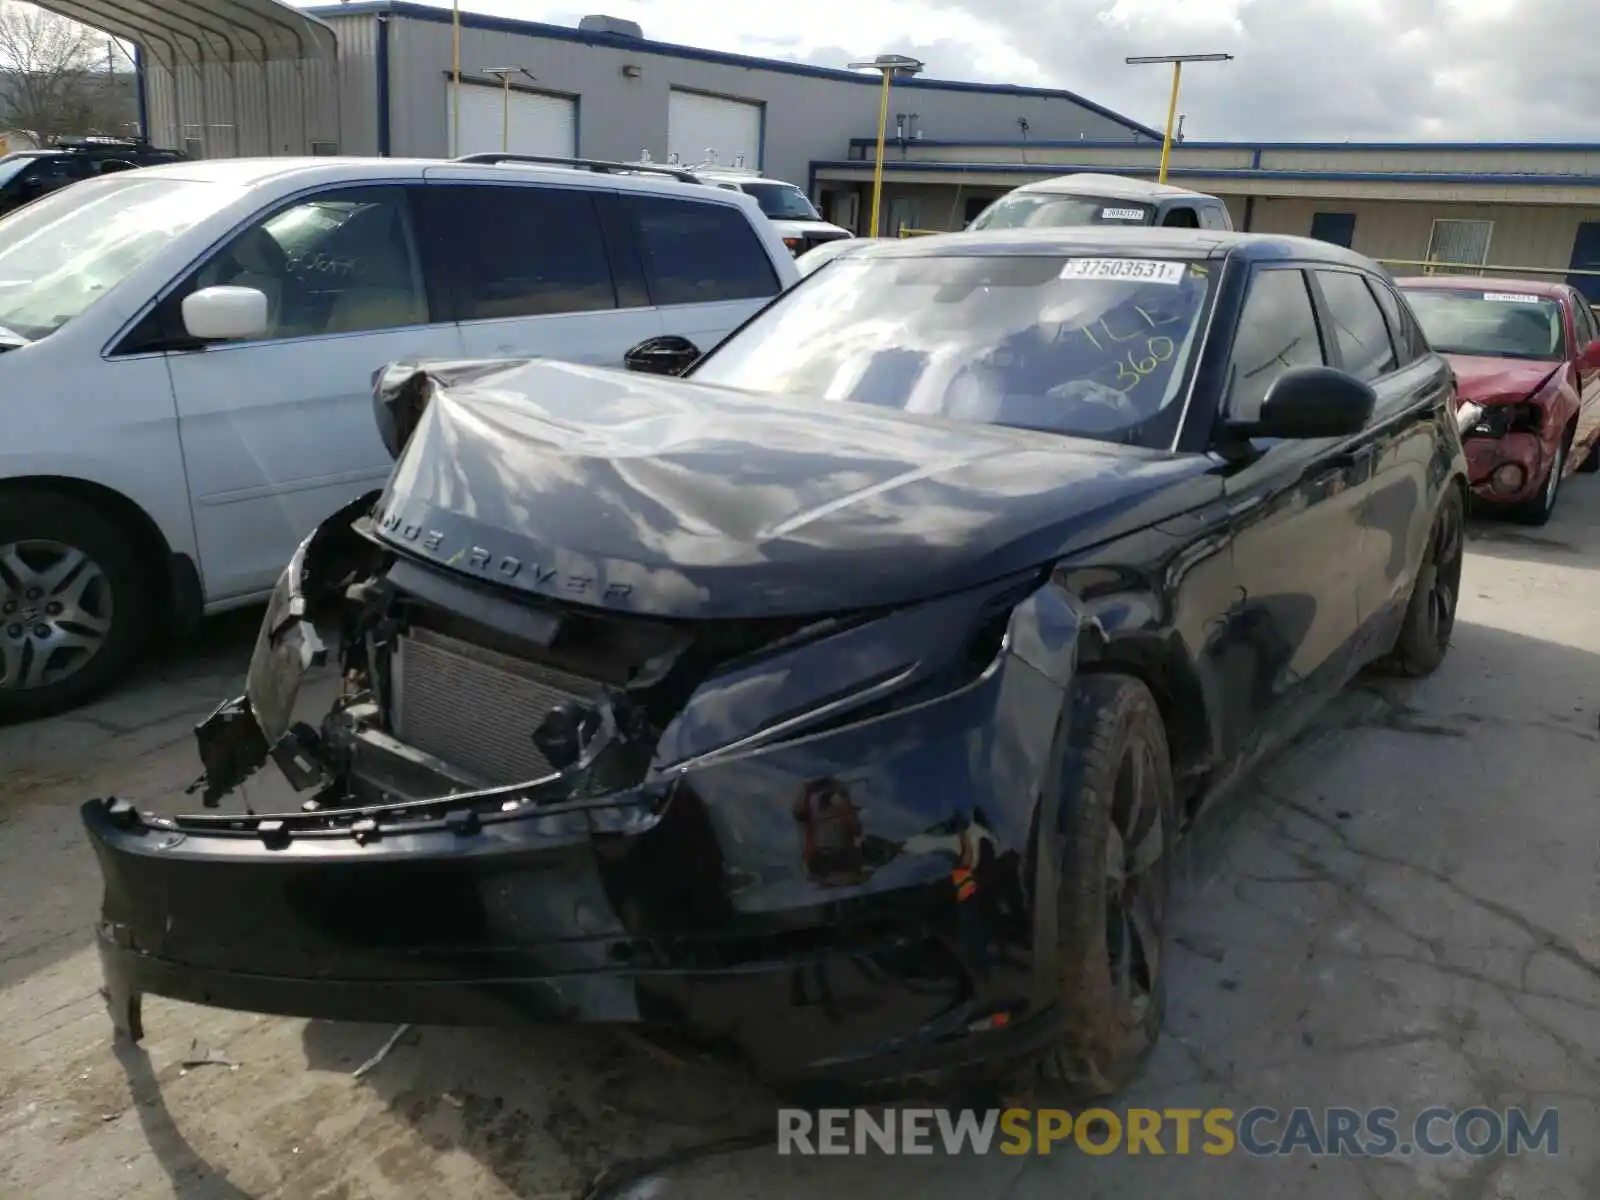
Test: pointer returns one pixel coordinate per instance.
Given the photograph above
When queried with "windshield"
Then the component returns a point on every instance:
(819, 255)
(60, 254)
(10, 168)
(1041, 210)
(1091, 347)
(1498, 324)
(782, 201)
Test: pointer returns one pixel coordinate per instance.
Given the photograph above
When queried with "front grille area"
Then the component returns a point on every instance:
(474, 708)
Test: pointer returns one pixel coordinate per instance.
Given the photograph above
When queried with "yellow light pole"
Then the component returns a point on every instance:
(1177, 61)
(889, 65)
(504, 74)
(455, 77)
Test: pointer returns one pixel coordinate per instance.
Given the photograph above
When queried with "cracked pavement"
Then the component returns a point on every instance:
(1403, 911)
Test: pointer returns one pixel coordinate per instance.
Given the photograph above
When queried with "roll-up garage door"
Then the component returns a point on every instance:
(539, 123)
(700, 126)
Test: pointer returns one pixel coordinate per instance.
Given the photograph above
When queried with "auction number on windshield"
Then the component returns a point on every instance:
(1139, 352)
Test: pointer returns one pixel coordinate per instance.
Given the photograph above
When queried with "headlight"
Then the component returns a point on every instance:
(1500, 419)
(286, 648)
(858, 671)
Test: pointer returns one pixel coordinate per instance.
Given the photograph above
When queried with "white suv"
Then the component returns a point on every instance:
(187, 356)
(788, 208)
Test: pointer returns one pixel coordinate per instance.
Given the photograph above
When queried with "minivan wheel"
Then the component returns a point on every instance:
(73, 606)
(1118, 822)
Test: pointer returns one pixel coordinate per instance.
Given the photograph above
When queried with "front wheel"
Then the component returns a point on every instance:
(1539, 510)
(1118, 823)
(73, 605)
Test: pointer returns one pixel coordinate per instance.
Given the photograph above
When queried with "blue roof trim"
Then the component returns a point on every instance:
(424, 12)
(1019, 144)
(1507, 179)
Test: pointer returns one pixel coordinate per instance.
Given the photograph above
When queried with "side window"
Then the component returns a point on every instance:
(1409, 343)
(339, 262)
(1277, 330)
(695, 253)
(1181, 217)
(1213, 217)
(523, 251)
(1358, 325)
(1584, 330)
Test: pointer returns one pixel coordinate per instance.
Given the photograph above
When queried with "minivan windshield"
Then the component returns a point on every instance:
(11, 167)
(782, 201)
(1494, 322)
(1092, 347)
(60, 254)
(1041, 210)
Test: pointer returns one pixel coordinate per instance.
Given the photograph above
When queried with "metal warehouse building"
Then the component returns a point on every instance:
(600, 90)
(233, 77)
(1521, 207)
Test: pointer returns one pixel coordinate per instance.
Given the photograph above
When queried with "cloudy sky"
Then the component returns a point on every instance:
(1523, 70)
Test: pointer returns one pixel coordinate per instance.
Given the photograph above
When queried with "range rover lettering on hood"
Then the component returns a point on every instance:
(503, 568)
(675, 499)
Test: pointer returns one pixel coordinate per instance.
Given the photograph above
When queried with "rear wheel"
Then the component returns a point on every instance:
(73, 606)
(1431, 613)
(1118, 821)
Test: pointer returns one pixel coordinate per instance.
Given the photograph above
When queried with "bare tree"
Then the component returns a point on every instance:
(52, 81)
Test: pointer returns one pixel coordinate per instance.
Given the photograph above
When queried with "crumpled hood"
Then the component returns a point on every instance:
(661, 496)
(1485, 380)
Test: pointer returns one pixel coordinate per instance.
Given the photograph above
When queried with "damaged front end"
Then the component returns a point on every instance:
(814, 839)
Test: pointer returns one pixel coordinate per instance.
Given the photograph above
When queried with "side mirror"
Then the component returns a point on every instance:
(669, 355)
(1312, 402)
(225, 314)
(1590, 358)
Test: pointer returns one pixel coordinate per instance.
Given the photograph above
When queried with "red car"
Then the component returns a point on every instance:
(1528, 353)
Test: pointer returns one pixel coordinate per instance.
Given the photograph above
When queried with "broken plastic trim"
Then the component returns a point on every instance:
(236, 740)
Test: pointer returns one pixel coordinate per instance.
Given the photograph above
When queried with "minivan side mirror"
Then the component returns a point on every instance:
(668, 355)
(1311, 402)
(225, 314)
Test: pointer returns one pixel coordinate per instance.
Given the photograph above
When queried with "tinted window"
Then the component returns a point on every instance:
(1583, 321)
(1358, 324)
(524, 251)
(699, 253)
(1277, 330)
(1181, 217)
(1408, 340)
(1091, 347)
(782, 201)
(338, 262)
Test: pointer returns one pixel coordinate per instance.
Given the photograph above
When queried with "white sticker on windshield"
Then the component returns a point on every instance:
(1512, 297)
(1122, 214)
(1133, 270)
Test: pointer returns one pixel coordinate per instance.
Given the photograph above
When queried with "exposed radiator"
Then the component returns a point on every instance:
(476, 709)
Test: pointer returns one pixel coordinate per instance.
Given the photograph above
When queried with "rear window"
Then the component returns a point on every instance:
(1042, 210)
(699, 253)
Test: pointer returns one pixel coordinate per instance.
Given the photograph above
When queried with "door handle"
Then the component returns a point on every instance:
(1345, 459)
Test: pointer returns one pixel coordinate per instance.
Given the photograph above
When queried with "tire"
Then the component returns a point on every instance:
(1431, 612)
(1539, 510)
(68, 570)
(1117, 817)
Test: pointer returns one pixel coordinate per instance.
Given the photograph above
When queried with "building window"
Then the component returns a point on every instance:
(1336, 228)
(1462, 244)
(324, 149)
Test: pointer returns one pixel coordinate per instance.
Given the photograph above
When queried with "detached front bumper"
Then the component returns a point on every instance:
(795, 902)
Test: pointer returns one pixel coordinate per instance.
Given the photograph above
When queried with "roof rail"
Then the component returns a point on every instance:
(599, 166)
